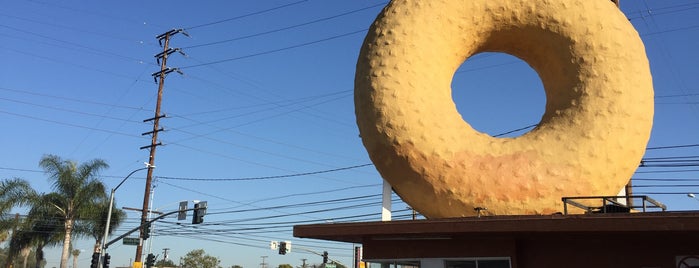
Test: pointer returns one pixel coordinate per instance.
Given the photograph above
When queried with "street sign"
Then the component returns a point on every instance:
(182, 215)
(330, 265)
(132, 241)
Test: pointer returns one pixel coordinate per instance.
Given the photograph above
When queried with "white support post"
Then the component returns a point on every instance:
(386, 202)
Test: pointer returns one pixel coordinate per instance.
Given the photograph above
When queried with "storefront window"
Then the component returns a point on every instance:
(449, 263)
(478, 263)
(395, 264)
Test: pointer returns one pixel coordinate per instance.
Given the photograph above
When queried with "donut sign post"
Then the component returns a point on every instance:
(596, 124)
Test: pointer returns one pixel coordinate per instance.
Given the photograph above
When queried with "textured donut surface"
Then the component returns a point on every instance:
(591, 137)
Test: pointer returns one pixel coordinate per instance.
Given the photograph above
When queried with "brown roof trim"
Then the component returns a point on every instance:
(616, 223)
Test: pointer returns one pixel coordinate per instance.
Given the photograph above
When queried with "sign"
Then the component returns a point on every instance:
(330, 265)
(182, 215)
(132, 241)
(687, 261)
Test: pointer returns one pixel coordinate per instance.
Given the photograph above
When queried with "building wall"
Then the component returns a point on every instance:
(570, 251)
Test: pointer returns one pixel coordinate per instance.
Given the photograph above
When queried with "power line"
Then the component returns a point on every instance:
(81, 101)
(74, 44)
(246, 15)
(665, 180)
(667, 171)
(276, 50)
(665, 185)
(651, 12)
(267, 177)
(672, 147)
(69, 124)
(305, 204)
(69, 110)
(287, 28)
(515, 130)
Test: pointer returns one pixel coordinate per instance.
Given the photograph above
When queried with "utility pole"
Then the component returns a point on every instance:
(164, 70)
(304, 263)
(263, 264)
(165, 256)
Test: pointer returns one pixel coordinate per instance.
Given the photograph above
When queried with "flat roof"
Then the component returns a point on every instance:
(650, 223)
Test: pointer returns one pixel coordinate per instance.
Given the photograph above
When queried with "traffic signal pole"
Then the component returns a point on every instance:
(142, 226)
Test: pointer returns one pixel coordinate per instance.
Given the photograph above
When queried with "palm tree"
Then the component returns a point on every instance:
(75, 253)
(14, 192)
(76, 192)
(94, 225)
(47, 226)
(42, 227)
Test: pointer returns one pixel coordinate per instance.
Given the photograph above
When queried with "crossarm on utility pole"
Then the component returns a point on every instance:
(144, 224)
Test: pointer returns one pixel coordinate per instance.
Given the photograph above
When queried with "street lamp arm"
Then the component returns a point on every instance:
(127, 176)
(109, 213)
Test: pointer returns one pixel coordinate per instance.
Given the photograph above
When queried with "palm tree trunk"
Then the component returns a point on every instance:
(39, 255)
(25, 255)
(9, 261)
(75, 261)
(66, 243)
(98, 246)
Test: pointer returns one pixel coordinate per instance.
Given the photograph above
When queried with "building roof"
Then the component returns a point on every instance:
(650, 223)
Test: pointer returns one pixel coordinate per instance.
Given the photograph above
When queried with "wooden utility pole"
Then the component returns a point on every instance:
(164, 40)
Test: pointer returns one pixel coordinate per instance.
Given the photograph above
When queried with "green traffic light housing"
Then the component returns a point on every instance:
(94, 263)
(150, 260)
(107, 258)
(199, 212)
(146, 231)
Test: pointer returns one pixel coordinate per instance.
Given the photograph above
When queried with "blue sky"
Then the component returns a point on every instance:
(261, 123)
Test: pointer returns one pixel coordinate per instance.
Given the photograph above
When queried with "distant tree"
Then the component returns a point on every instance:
(75, 253)
(199, 259)
(285, 266)
(236, 266)
(165, 263)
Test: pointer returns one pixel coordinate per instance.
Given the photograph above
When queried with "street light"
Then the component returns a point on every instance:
(109, 212)
(692, 196)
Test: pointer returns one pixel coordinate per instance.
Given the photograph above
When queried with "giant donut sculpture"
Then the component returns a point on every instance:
(597, 121)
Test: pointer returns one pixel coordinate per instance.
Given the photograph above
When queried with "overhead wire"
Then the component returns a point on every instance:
(75, 45)
(245, 15)
(653, 11)
(268, 177)
(71, 124)
(288, 27)
(80, 101)
(275, 50)
(103, 116)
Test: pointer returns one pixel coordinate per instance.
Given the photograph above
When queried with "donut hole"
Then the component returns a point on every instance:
(498, 94)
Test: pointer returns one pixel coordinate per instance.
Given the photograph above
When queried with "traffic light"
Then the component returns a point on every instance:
(199, 212)
(282, 248)
(325, 257)
(106, 260)
(146, 231)
(150, 260)
(94, 263)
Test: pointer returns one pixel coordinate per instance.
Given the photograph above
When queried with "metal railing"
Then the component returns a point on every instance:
(611, 204)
